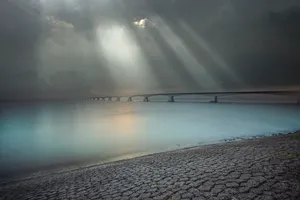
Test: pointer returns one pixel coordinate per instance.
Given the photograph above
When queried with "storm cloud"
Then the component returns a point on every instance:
(73, 49)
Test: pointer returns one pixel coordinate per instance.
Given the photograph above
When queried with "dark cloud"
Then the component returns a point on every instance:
(238, 44)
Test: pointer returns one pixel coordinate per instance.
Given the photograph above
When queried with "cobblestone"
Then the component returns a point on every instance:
(264, 168)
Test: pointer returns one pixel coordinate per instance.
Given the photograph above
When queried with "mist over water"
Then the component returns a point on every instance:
(34, 136)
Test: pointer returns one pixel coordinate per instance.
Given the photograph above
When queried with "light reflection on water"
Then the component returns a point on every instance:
(37, 135)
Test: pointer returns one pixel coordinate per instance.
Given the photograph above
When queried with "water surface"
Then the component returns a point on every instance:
(35, 136)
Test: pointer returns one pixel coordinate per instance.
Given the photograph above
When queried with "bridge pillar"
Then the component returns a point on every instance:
(118, 99)
(146, 99)
(215, 99)
(171, 99)
(130, 99)
(109, 99)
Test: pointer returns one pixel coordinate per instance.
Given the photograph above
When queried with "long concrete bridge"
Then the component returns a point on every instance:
(215, 95)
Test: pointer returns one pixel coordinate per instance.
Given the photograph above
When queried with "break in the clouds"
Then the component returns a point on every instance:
(72, 48)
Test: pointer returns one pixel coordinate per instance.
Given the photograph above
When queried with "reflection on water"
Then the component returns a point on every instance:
(125, 123)
(39, 135)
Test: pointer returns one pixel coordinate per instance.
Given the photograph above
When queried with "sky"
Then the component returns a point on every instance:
(74, 49)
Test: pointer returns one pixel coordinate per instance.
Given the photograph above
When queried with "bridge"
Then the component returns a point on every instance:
(215, 95)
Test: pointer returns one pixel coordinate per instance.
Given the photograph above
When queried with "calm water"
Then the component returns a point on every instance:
(34, 136)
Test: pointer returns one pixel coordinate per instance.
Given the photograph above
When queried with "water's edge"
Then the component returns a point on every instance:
(44, 173)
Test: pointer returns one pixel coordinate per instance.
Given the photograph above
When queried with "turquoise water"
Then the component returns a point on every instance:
(34, 136)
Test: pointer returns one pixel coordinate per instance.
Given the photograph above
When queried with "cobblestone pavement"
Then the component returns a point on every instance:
(265, 168)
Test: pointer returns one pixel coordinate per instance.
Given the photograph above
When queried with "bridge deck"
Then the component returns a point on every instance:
(214, 94)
